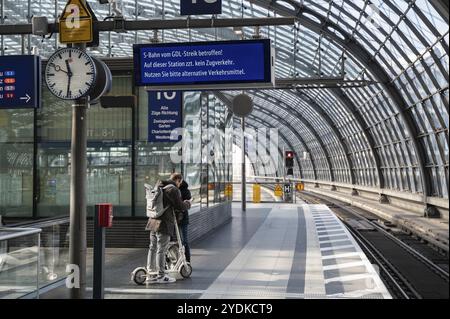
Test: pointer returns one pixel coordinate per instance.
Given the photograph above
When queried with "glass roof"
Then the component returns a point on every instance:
(391, 134)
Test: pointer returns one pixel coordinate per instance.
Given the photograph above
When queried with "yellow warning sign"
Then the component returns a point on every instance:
(256, 193)
(76, 23)
(278, 191)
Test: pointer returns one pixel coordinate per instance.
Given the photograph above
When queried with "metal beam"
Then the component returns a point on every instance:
(347, 103)
(297, 136)
(441, 6)
(328, 29)
(257, 119)
(255, 168)
(352, 109)
(327, 119)
(228, 103)
(309, 127)
(320, 83)
(126, 64)
(267, 150)
(137, 25)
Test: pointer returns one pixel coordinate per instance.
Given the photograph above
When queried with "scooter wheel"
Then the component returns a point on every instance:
(139, 276)
(186, 271)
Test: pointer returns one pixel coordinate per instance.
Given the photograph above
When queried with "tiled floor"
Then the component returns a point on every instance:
(270, 251)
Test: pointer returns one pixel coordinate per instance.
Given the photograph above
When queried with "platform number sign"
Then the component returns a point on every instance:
(193, 7)
(165, 116)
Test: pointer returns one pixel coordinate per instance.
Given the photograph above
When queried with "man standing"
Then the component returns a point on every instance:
(162, 228)
(185, 195)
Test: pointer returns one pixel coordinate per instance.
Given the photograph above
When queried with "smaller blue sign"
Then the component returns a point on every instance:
(193, 7)
(164, 116)
(20, 81)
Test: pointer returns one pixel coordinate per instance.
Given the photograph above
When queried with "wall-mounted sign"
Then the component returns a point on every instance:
(20, 81)
(204, 65)
(164, 116)
(76, 23)
(192, 7)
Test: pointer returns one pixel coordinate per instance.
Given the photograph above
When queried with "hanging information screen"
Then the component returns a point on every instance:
(20, 81)
(164, 112)
(197, 65)
(192, 7)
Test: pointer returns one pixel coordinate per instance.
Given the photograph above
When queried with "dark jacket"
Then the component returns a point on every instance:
(185, 195)
(172, 199)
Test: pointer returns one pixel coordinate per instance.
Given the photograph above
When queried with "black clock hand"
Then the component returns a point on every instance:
(68, 87)
(58, 68)
(69, 71)
(69, 74)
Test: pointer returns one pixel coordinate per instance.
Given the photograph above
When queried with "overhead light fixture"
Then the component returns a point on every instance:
(237, 30)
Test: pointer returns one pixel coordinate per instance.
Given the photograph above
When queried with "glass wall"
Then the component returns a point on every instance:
(192, 151)
(35, 157)
(16, 162)
(109, 152)
(200, 156)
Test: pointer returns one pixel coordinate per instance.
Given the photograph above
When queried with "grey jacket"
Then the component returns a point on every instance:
(172, 199)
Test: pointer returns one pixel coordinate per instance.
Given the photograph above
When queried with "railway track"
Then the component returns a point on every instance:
(408, 272)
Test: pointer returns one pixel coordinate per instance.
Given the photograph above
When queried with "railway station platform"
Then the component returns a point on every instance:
(273, 251)
(305, 142)
(434, 231)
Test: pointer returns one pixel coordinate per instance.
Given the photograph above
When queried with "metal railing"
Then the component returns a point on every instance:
(19, 262)
(53, 256)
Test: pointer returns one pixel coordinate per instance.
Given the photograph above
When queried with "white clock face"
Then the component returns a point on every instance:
(70, 73)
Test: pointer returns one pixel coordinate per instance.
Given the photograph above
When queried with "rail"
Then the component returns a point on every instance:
(42, 223)
(401, 285)
(413, 202)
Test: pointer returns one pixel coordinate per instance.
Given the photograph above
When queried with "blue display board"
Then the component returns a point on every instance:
(192, 7)
(164, 116)
(20, 81)
(210, 63)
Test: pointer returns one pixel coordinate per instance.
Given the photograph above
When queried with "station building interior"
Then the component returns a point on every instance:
(363, 103)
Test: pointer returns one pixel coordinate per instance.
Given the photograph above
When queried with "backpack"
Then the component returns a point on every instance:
(155, 203)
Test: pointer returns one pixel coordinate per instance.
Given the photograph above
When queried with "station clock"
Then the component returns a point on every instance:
(70, 74)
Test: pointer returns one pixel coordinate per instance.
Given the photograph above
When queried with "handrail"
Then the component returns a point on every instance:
(17, 232)
(42, 223)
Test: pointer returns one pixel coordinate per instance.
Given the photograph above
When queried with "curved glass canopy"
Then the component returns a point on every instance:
(391, 134)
